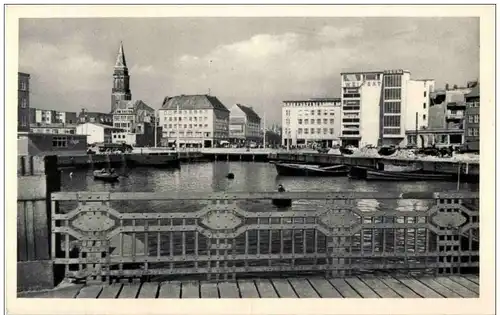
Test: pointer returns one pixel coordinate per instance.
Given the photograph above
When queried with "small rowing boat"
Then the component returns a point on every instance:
(105, 175)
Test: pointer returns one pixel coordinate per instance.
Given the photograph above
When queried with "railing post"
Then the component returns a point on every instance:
(36, 181)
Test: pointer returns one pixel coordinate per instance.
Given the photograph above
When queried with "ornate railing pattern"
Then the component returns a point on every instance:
(331, 233)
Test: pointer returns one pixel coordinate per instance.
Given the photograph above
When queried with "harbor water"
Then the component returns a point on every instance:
(258, 177)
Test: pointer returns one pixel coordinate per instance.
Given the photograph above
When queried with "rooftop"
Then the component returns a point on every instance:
(102, 125)
(316, 99)
(474, 91)
(249, 112)
(190, 102)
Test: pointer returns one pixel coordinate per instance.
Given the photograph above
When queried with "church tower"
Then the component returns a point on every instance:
(121, 80)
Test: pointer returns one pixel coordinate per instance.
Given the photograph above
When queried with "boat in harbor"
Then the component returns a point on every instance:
(106, 175)
(286, 169)
(366, 173)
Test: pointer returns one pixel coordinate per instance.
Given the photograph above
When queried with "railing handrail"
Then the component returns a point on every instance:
(303, 195)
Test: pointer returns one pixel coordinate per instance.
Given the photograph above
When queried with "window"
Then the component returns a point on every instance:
(425, 105)
(356, 120)
(312, 121)
(331, 121)
(392, 131)
(59, 142)
(352, 102)
(392, 80)
(299, 131)
(392, 94)
(424, 117)
(312, 131)
(300, 121)
(319, 112)
(476, 132)
(392, 107)
(425, 94)
(471, 119)
(351, 108)
(24, 123)
(325, 131)
(392, 121)
(23, 86)
(325, 121)
(318, 131)
(318, 121)
(470, 132)
(331, 131)
(306, 131)
(24, 102)
(476, 119)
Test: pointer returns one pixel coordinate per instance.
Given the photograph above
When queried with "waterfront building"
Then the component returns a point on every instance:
(244, 125)
(96, 132)
(472, 119)
(446, 119)
(194, 120)
(95, 117)
(121, 81)
(23, 103)
(312, 121)
(53, 128)
(41, 144)
(379, 106)
(136, 120)
(50, 116)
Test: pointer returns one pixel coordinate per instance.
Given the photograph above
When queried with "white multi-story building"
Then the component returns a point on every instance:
(316, 120)
(378, 107)
(194, 120)
(244, 125)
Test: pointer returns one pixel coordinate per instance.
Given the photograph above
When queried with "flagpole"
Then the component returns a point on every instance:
(156, 129)
(264, 140)
(177, 132)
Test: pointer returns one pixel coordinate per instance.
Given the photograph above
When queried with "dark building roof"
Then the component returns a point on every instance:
(190, 102)
(249, 112)
(137, 106)
(474, 92)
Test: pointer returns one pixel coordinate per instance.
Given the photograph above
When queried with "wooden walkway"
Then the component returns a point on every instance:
(464, 286)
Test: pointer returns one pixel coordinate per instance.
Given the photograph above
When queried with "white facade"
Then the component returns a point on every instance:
(53, 129)
(311, 121)
(96, 133)
(244, 124)
(124, 137)
(43, 116)
(378, 107)
(193, 126)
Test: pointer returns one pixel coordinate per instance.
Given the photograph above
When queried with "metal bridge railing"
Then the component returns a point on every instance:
(106, 236)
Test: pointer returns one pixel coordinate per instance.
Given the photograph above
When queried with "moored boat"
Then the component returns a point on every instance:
(372, 174)
(106, 176)
(285, 169)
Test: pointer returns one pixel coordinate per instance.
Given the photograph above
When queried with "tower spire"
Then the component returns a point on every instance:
(120, 58)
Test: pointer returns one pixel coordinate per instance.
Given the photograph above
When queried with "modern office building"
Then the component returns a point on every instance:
(379, 106)
(244, 125)
(40, 117)
(194, 120)
(315, 121)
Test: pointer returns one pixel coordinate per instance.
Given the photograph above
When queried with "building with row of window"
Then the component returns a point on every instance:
(194, 121)
(244, 125)
(23, 103)
(312, 121)
(379, 107)
(472, 119)
(447, 119)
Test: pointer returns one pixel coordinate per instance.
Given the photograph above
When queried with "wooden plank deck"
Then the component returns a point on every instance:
(455, 286)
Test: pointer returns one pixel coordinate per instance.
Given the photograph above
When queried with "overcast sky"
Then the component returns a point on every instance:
(258, 62)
